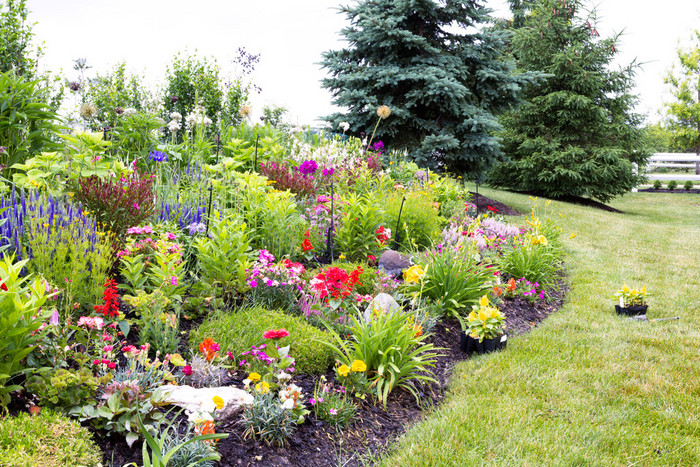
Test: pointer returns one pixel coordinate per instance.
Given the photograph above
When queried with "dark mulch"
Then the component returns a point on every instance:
(483, 203)
(695, 191)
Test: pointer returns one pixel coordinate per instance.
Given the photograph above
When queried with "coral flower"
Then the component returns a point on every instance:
(276, 333)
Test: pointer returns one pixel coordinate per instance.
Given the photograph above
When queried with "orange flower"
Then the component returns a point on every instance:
(497, 291)
(511, 284)
(205, 427)
(209, 348)
(419, 330)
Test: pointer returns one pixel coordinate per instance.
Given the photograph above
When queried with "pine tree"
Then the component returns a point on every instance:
(684, 111)
(577, 134)
(437, 67)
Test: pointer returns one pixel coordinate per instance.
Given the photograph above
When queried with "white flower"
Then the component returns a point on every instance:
(282, 377)
(173, 126)
(206, 121)
(288, 404)
(345, 126)
(130, 111)
(176, 116)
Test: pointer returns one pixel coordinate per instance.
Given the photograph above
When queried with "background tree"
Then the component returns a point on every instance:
(16, 50)
(684, 112)
(439, 70)
(577, 134)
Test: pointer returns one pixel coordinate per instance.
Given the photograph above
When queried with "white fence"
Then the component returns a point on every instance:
(675, 160)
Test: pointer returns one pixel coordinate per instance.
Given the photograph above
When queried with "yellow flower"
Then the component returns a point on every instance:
(383, 111)
(495, 313)
(471, 317)
(358, 366)
(573, 235)
(484, 301)
(342, 256)
(262, 387)
(219, 402)
(644, 289)
(343, 370)
(543, 240)
(625, 288)
(413, 274)
(254, 377)
(483, 316)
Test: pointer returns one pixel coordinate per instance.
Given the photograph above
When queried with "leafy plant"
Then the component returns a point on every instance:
(136, 134)
(688, 185)
(419, 224)
(485, 321)
(268, 421)
(357, 238)
(62, 389)
(657, 184)
(392, 349)
(21, 314)
(672, 185)
(159, 326)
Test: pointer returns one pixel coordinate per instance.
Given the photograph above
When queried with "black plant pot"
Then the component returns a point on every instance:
(631, 310)
(470, 345)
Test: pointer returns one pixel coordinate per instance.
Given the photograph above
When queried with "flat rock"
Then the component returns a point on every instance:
(197, 401)
(383, 302)
(392, 262)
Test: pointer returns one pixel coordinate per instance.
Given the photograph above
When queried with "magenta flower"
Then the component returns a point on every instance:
(173, 280)
(187, 370)
(136, 206)
(333, 411)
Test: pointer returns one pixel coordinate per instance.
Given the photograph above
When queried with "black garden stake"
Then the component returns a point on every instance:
(328, 255)
(398, 223)
(477, 195)
(211, 184)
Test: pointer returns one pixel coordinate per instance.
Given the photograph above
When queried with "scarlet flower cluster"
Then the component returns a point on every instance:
(306, 244)
(335, 282)
(383, 234)
(209, 349)
(110, 309)
(276, 333)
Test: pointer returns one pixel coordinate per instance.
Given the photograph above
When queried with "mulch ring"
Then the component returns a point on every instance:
(695, 191)
(483, 204)
(317, 443)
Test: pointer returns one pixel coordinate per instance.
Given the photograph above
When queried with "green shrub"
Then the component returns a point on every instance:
(536, 263)
(46, 439)
(239, 330)
(672, 184)
(657, 184)
(419, 224)
(356, 237)
(688, 185)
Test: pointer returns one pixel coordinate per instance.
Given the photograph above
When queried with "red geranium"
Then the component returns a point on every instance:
(276, 333)
(306, 244)
(3, 287)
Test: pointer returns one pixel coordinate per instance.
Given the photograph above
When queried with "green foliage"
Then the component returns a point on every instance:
(16, 52)
(659, 138)
(112, 94)
(672, 185)
(395, 354)
(63, 389)
(536, 263)
(27, 124)
(274, 115)
(136, 134)
(657, 184)
(267, 421)
(356, 237)
(192, 81)
(326, 397)
(684, 110)
(577, 134)
(21, 315)
(442, 74)
(419, 225)
(238, 331)
(158, 326)
(46, 439)
(452, 277)
(225, 255)
(688, 185)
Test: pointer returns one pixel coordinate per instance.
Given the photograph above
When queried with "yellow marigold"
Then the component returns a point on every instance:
(262, 387)
(219, 402)
(343, 370)
(254, 377)
(383, 111)
(358, 366)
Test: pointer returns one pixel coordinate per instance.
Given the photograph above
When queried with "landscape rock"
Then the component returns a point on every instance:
(198, 401)
(383, 302)
(392, 262)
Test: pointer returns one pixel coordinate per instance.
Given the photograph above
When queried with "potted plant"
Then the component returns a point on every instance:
(632, 301)
(483, 329)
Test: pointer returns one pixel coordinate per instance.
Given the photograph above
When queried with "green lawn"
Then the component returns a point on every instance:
(588, 387)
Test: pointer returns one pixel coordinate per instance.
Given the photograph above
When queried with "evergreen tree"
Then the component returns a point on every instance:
(684, 111)
(577, 134)
(440, 71)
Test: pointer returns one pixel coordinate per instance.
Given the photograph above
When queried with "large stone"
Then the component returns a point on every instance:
(197, 401)
(392, 262)
(383, 303)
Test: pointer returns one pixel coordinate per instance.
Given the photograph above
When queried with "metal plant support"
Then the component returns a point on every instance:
(398, 223)
(211, 184)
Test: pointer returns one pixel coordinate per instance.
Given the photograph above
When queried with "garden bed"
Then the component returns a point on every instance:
(316, 443)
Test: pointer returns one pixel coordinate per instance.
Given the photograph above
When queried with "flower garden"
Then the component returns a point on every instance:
(247, 290)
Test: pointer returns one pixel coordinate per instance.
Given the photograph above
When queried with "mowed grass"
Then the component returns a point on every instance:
(588, 387)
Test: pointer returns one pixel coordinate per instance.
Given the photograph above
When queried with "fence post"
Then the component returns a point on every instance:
(635, 172)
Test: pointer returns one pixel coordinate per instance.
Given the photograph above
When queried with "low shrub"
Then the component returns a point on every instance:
(688, 185)
(237, 331)
(46, 439)
(672, 185)
(657, 184)
(419, 224)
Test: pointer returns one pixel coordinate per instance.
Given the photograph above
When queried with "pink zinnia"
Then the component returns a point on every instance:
(187, 370)
(276, 334)
(112, 366)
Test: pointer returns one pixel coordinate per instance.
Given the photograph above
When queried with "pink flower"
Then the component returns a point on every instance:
(112, 366)
(170, 236)
(105, 361)
(276, 334)
(128, 349)
(173, 280)
(187, 370)
(312, 401)
(333, 411)
(54, 318)
(107, 348)
(95, 362)
(136, 206)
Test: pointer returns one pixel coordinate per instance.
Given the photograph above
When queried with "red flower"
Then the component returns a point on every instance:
(111, 298)
(306, 245)
(276, 333)
(209, 348)
(187, 370)
(371, 258)
(3, 287)
(492, 209)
